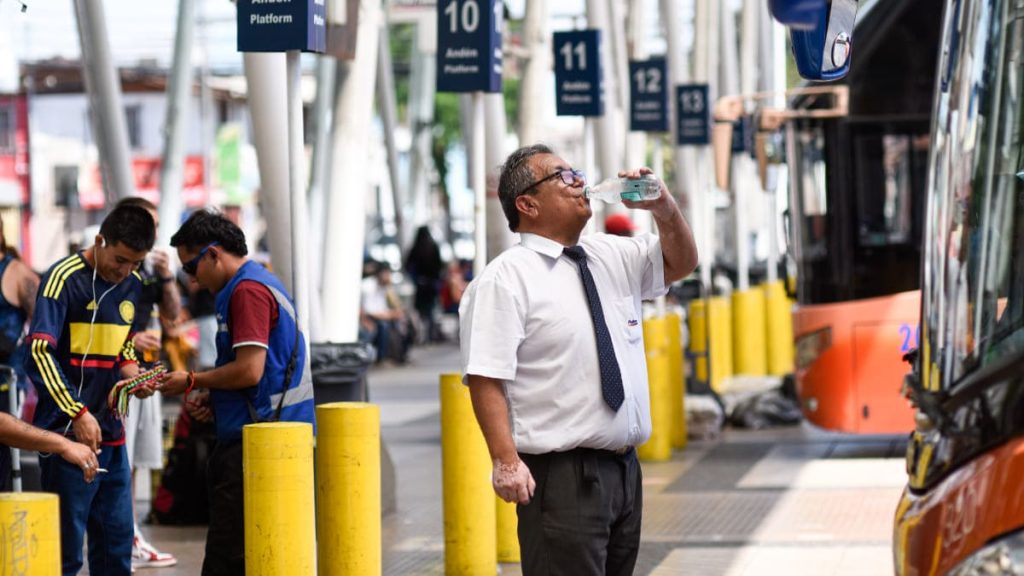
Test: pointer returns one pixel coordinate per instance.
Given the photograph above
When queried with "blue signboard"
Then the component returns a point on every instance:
(648, 96)
(578, 73)
(693, 115)
(469, 45)
(282, 25)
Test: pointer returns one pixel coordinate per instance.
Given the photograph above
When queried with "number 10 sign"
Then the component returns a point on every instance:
(578, 73)
(469, 45)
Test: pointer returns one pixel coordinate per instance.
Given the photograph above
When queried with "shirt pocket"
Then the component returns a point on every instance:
(629, 320)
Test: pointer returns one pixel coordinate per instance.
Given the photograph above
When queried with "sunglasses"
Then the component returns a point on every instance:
(191, 266)
(569, 177)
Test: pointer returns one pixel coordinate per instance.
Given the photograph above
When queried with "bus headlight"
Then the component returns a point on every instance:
(810, 346)
(1003, 557)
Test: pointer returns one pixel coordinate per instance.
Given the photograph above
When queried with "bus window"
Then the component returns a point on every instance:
(885, 187)
(813, 193)
(979, 287)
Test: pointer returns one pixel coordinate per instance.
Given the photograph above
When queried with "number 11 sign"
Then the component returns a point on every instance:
(578, 73)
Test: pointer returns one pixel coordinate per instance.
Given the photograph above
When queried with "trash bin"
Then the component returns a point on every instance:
(339, 371)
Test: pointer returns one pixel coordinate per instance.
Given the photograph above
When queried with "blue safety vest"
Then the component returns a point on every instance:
(236, 408)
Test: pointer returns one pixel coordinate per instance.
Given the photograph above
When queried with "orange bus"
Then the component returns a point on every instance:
(963, 511)
(855, 223)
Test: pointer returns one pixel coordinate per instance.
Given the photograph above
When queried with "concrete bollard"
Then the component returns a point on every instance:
(508, 531)
(676, 380)
(750, 352)
(29, 534)
(348, 489)
(778, 329)
(720, 322)
(658, 447)
(470, 545)
(280, 520)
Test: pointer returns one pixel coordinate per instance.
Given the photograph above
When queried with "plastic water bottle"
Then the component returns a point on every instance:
(618, 189)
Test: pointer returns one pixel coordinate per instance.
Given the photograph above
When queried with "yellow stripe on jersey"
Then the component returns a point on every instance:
(98, 340)
(51, 378)
(128, 352)
(70, 260)
(137, 275)
(56, 282)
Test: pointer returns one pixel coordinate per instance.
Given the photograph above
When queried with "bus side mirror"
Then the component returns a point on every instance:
(822, 35)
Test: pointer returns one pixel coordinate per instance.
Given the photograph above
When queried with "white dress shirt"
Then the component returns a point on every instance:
(526, 321)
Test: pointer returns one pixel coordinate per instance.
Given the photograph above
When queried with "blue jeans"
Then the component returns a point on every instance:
(104, 508)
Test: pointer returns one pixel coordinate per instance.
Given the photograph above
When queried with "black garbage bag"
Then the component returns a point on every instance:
(765, 410)
(339, 371)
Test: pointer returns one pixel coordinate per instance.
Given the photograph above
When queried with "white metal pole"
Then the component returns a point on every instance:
(499, 237)
(636, 142)
(533, 101)
(479, 183)
(608, 142)
(679, 73)
(389, 116)
(266, 77)
(345, 237)
(179, 98)
(297, 192)
(105, 98)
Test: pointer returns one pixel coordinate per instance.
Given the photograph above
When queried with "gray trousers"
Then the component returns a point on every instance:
(584, 518)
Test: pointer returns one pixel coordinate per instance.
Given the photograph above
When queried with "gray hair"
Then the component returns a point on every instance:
(515, 180)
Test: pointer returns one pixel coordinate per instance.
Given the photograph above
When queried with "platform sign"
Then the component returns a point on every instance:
(469, 45)
(282, 25)
(694, 115)
(578, 88)
(648, 95)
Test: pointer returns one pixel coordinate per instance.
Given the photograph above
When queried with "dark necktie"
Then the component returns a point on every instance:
(611, 378)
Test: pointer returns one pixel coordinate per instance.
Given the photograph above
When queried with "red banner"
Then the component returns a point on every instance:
(146, 171)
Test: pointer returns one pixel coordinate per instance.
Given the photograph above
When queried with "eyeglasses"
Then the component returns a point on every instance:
(191, 266)
(569, 177)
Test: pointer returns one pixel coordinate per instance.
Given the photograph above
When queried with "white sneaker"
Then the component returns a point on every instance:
(144, 555)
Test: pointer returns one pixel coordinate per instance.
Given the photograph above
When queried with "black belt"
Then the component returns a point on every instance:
(606, 453)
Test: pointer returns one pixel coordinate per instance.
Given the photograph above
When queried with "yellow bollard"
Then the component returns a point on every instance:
(280, 520)
(750, 352)
(470, 545)
(720, 322)
(697, 323)
(507, 534)
(348, 489)
(676, 380)
(779, 329)
(30, 525)
(658, 447)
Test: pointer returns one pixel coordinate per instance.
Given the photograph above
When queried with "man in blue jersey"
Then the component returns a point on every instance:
(80, 347)
(262, 372)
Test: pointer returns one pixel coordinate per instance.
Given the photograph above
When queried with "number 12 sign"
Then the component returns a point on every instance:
(578, 73)
(469, 45)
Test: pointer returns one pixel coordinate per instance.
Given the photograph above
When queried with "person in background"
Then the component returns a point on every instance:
(553, 353)
(424, 266)
(159, 305)
(619, 224)
(18, 286)
(382, 317)
(81, 347)
(262, 371)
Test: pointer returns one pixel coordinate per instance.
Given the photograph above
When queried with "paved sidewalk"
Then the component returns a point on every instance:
(787, 501)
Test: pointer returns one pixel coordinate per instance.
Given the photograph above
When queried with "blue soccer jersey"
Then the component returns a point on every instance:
(81, 337)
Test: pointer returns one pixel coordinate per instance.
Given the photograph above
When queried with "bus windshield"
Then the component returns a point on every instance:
(973, 281)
